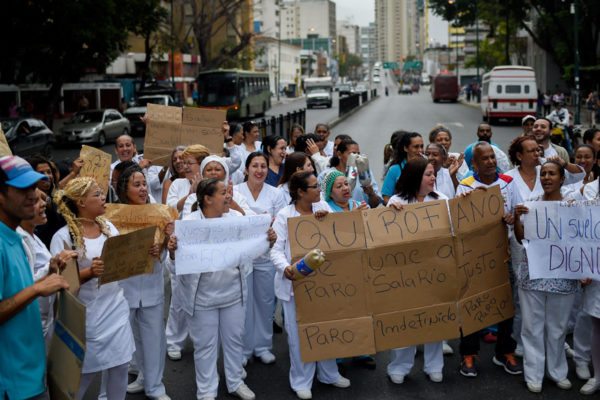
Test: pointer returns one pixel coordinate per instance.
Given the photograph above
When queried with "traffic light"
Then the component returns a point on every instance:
(403, 58)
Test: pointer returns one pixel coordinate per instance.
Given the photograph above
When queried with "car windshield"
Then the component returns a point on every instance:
(317, 90)
(7, 124)
(344, 87)
(142, 102)
(217, 89)
(86, 117)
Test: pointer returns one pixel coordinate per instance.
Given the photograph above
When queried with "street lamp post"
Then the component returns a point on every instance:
(279, 54)
(576, 69)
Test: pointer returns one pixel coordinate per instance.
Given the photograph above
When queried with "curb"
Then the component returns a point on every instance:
(339, 120)
(472, 105)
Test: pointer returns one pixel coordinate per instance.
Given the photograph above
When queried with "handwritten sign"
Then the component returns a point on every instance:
(4, 148)
(127, 255)
(214, 244)
(563, 240)
(96, 164)
(71, 273)
(168, 127)
(408, 272)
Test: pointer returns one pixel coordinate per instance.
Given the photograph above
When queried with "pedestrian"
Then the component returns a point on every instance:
(274, 147)
(306, 200)
(23, 355)
(322, 130)
(145, 296)
(262, 199)
(109, 341)
(294, 162)
(547, 102)
(468, 90)
(545, 303)
(409, 146)
(484, 134)
(416, 185)
(295, 132)
(592, 102)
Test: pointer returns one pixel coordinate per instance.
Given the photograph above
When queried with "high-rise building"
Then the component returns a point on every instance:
(368, 44)
(352, 35)
(317, 18)
(393, 29)
(266, 17)
(290, 19)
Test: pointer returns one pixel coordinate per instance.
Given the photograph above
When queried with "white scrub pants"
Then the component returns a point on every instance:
(582, 338)
(177, 326)
(545, 320)
(302, 374)
(151, 347)
(402, 360)
(116, 383)
(258, 335)
(207, 329)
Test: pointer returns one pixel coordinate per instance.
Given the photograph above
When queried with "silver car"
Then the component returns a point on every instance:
(94, 126)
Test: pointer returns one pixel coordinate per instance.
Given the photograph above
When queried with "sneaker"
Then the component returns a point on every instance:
(534, 387)
(565, 384)
(174, 355)
(244, 362)
(398, 379)
(436, 377)
(135, 387)
(509, 364)
(467, 366)
(244, 392)
(490, 337)
(161, 397)
(342, 383)
(367, 362)
(447, 350)
(582, 371)
(590, 387)
(244, 373)
(267, 358)
(569, 351)
(304, 394)
(519, 351)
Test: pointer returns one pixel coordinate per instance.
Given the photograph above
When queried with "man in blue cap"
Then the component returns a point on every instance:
(23, 354)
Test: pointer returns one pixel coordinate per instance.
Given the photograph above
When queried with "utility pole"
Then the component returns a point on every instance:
(477, 40)
(457, 67)
(507, 60)
(279, 53)
(574, 10)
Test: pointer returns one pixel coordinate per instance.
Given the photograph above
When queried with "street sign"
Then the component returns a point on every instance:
(390, 65)
(413, 65)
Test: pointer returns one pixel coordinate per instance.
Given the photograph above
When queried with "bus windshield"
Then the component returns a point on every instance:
(217, 90)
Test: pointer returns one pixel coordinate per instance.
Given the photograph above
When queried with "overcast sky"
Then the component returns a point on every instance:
(361, 12)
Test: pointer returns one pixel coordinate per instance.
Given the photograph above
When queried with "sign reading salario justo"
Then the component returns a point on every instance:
(399, 278)
(562, 239)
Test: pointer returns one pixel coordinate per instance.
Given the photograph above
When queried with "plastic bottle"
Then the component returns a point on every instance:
(310, 262)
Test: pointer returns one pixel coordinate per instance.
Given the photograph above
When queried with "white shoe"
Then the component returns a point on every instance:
(135, 387)
(519, 351)
(565, 384)
(244, 392)
(132, 370)
(244, 373)
(590, 387)
(398, 379)
(174, 355)
(534, 387)
(267, 358)
(569, 351)
(447, 350)
(304, 394)
(161, 397)
(436, 377)
(244, 362)
(582, 371)
(342, 383)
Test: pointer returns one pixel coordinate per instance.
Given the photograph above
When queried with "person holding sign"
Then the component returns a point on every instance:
(416, 185)
(545, 303)
(262, 198)
(337, 193)
(409, 146)
(109, 340)
(214, 302)
(145, 295)
(183, 187)
(306, 200)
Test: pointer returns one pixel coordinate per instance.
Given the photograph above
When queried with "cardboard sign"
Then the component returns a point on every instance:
(486, 308)
(129, 218)
(67, 348)
(563, 239)
(168, 127)
(4, 148)
(405, 271)
(71, 273)
(215, 244)
(96, 164)
(127, 255)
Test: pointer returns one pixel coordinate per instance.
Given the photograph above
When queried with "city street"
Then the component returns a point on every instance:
(371, 127)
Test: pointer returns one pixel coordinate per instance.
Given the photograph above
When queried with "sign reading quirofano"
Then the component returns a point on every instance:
(399, 278)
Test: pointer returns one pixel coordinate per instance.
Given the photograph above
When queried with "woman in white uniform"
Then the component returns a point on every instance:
(445, 178)
(416, 185)
(214, 302)
(585, 158)
(306, 200)
(175, 171)
(145, 295)
(545, 303)
(295, 132)
(108, 337)
(294, 162)
(262, 199)
(251, 142)
(181, 188)
(441, 135)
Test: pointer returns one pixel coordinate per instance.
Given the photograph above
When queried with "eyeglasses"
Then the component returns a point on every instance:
(187, 163)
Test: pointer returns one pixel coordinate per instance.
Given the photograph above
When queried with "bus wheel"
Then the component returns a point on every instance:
(247, 110)
(493, 120)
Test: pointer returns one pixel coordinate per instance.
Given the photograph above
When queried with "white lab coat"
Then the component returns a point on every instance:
(444, 184)
(178, 190)
(285, 189)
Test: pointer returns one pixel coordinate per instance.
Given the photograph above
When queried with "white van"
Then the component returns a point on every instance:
(508, 91)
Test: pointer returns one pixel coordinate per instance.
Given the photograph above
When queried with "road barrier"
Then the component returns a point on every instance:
(281, 124)
(349, 103)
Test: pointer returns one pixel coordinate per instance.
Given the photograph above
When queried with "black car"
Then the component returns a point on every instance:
(26, 136)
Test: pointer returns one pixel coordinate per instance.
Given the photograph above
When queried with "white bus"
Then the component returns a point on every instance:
(508, 91)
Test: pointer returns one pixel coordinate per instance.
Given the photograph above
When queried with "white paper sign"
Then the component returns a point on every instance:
(214, 244)
(563, 239)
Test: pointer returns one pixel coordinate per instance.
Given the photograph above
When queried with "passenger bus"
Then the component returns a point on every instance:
(444, 87)
(244, 94)
(508, 91)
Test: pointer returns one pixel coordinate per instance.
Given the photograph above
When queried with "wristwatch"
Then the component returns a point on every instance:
(229, 139)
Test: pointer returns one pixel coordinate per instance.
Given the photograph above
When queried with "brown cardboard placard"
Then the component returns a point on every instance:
(336, 339)
(67, 348)
(127, 255)
(168, 127)
(486, 308)
(4, 148)
(479, 206)
(71, 273)
(96, 164)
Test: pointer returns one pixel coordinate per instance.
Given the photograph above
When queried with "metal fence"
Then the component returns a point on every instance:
(281, 124)
(350, 102)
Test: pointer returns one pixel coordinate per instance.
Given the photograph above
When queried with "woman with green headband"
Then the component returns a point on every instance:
(337, 193)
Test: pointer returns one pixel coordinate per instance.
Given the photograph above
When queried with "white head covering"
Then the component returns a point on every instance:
(218, 159)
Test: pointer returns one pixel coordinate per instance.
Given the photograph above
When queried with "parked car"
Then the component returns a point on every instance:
(138, 109)
(26, 136)
(94, 126)
(360, 88)
(405, 89)
(345, 90)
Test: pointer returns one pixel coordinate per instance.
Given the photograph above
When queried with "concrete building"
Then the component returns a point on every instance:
(395, 32)
(290, 19)
(352, 35)
(317, 18)
(368, 45)
(266, 17)
(271, 51)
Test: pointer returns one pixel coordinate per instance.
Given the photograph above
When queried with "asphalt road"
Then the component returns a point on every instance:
(371, 127)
